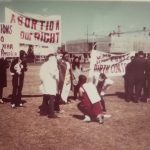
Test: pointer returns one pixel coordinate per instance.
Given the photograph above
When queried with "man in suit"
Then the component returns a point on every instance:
(140, 69)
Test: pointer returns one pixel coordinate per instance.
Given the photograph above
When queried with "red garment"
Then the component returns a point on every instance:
(92, 110)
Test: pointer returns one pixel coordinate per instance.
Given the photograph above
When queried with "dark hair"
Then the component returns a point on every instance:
(103, 76)
(64, 54)
(75, 64)
(22, 54)
(82, 80)
(140, 53)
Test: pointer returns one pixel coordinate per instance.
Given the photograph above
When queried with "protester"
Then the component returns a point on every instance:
(65, 77)
(90, 101)
(129, 81)
(76, 72)
(49, 76)
(139, 68)
(148, 77)
(3, 76)
(17, 69)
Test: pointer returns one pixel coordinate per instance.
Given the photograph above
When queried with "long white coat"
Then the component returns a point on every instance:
(49, 76)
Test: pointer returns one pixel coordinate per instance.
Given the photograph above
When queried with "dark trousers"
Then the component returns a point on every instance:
(139, 85)
(129, 88)
(48, 104)
(76, 91)
(103, 104)
(1, 92)
(17, 83)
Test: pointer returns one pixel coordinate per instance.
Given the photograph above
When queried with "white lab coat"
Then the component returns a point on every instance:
(49, 76)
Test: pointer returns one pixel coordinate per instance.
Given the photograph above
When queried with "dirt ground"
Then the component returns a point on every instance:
(24, 128)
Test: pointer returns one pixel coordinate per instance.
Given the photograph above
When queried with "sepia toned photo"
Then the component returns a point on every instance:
(74, 75)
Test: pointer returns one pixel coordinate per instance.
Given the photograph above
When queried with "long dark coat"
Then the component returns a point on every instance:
(3, 72)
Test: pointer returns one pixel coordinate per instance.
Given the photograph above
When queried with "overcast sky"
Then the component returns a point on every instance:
(76, 17)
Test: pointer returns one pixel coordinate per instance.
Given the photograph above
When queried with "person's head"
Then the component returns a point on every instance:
(65, 56)
(102, 77)
(141, 54)
(51, 55)
(76, 62)
(132, 57)
(82, 79)
(22, 54)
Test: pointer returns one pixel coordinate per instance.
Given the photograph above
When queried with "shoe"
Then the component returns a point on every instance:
(21, 105)
(87, 119)
(1, 101)
(100, 119)
(52, 116)
(60, 111)
(13, 106)
(106, 116)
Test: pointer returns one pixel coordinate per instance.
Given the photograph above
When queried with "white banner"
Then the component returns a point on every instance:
(9, 41)
(35, 29)
(110, 64)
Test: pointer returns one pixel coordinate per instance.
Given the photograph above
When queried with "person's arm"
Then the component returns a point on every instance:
(12, 69)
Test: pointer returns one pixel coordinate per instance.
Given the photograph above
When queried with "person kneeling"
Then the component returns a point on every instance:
(90, 101)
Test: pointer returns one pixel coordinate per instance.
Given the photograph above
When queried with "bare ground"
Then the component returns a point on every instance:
(24, 129)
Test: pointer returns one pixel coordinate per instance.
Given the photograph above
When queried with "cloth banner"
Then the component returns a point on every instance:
(66, 87)
(9, 45)
(36, 29)
(110, 64)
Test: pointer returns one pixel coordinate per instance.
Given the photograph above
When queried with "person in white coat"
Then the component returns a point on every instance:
(49, 76)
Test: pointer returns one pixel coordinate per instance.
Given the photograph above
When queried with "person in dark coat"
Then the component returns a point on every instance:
(148, 78)
(140, 69)
(17, 69)
(129, 81)
(3, 76)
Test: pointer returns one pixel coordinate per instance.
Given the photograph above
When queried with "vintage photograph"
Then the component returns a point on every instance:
(74, 75)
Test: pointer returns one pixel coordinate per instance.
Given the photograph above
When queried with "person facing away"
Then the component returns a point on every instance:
(90, 109)
(140, 69)
(4, 65)
(49, 76)
(148, 77)
(17, 70)
(129, 84)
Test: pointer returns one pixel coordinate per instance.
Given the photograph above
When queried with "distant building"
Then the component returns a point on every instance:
(110, 44)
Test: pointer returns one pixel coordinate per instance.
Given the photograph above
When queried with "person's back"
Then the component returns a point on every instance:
(139, 67)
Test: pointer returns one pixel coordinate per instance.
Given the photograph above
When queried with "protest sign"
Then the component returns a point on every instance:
(35, 29)
(110, 64)
(9, 46)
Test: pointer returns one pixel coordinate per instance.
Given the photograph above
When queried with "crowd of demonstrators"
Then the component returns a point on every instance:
(18, 68)
(4, 65)
(49, 76)
(136, 79)
(58, 74)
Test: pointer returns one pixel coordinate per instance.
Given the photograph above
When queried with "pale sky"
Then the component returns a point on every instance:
(76, 16)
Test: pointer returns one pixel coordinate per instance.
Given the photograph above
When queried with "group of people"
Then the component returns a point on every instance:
(59, 76)
(137, 78)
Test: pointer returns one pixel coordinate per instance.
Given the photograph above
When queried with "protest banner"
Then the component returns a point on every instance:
(110, 64)
(35, 29)
(9, 45)
(66, 87)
